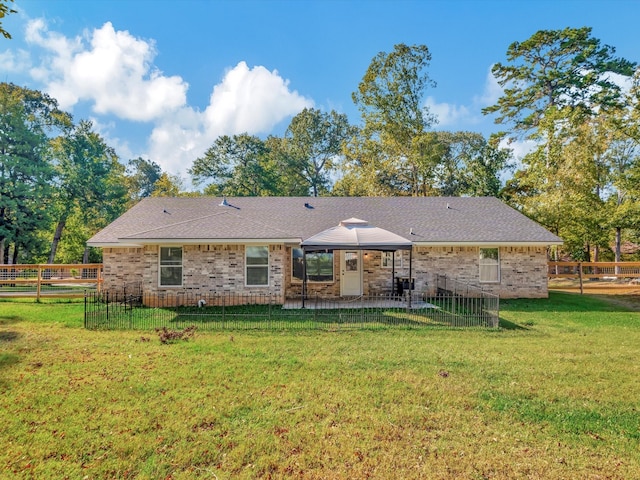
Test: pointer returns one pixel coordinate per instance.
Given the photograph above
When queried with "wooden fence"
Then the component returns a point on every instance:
(49, 280)
(590, 275)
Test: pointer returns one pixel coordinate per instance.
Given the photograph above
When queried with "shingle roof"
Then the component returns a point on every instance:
(441, 220)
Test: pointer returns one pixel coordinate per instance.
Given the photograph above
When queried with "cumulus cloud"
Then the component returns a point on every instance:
(492, 91)
(113, 72)
(447, 113)
(12, 62)
(252, 100)
(112, 69)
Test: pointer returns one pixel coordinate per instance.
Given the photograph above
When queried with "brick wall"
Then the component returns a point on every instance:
(221, 268)
(122, 266)
(214, 268)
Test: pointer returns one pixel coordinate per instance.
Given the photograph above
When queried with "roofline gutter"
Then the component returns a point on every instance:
(298, 241)
(487, 244)
(195, 241)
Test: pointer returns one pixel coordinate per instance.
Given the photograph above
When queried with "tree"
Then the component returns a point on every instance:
(27, 118)
(558, 75)
(167, 186)
(4, 11)
(389, 148)
(555, 84)
(142, 176)
(314, 143)
(236, 166)
(89, 178)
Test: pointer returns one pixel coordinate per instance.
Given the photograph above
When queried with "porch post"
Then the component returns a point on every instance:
(304, 275)
(393, 274)
(410, 273)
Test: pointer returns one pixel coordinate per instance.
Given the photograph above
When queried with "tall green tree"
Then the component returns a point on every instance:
(141, 178)
(314, 143)
(555, 84)
(89, 178)
(554, 77)
(389, 148)
(236, 166)
(27, 120)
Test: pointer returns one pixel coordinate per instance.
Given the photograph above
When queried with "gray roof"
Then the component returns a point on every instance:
(429, 220)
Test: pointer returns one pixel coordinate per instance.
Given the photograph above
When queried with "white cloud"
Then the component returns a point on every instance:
(450, 114)
(113, 71)
(447, 113)
(491, 93)
(251, 100)
(11, 62)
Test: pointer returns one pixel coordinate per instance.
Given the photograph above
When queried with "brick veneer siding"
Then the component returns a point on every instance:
(221, 268)
(121, 267)
(523, 270)
(210, 269)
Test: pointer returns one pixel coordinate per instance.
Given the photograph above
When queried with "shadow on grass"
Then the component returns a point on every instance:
(507, 325)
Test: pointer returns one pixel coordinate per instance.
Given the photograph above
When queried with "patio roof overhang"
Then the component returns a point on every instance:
(355, 234)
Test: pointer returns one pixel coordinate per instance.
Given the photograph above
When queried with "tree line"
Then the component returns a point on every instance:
(563, 90)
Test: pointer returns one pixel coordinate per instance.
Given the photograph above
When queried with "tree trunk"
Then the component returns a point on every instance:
(618, 248)
(16, 251)
(56, 239)
(2, 251)
(85, 256)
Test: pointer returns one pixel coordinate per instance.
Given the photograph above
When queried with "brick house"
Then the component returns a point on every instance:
(210, 245)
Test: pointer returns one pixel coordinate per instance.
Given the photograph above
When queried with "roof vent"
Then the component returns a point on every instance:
(224, 202)
(308, 205)
(164, 210)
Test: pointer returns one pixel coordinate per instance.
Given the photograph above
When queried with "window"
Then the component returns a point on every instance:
(319, 266)
(489, 265)
(170, 266)
(387, 259)
(257, 265)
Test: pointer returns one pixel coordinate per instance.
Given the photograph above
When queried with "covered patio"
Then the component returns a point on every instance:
(351, 237)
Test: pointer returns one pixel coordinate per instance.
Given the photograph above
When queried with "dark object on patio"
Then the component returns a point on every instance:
(402, 284)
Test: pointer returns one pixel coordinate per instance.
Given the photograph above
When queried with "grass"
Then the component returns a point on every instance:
(552, 394)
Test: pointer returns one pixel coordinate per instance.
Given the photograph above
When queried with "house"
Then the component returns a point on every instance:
(347, 245)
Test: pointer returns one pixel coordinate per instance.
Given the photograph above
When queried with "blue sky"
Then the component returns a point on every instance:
(163, 79)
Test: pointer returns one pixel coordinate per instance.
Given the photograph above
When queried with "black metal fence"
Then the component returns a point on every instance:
(232, 311)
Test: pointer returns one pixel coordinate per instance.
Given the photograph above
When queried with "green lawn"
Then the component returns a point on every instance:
(554, 393)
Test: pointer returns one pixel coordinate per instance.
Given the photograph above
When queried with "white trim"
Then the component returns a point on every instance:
(160, 247)
(485, 244)
(498, 265)
(213, 241)
(294, 241)
(246, 266)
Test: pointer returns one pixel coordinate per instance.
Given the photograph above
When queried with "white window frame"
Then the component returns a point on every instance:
(255, 266)
(386, 259)
(488, 264)
(162, 266)
(295, 279)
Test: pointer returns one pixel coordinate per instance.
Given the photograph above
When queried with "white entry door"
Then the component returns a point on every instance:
(350, 273)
